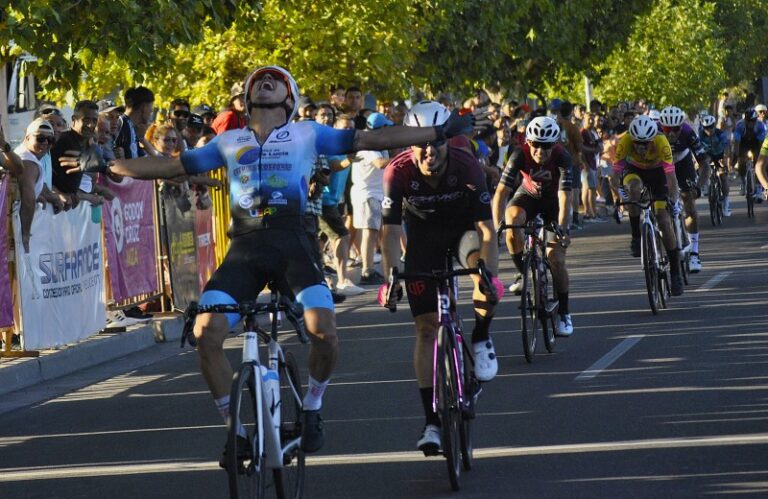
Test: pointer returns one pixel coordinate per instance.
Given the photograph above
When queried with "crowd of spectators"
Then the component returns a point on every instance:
(344, 209)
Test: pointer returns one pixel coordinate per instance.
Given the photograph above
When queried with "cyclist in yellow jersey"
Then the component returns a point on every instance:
(761, 168)
(644, 157)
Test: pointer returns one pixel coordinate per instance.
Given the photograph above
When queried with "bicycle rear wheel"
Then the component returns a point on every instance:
(650, 267)
(448, 406)
(471, 385)
(713, 201)
(547, 307)
(528, 308)
(246, 470)
(289, 480)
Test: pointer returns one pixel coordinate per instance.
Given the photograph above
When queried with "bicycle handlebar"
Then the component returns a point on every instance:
(294, 312)
(486, 285)
(532, 226)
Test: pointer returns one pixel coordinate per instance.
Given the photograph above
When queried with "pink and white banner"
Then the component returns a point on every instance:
(129, 234)
(61, 279)
(6, 297)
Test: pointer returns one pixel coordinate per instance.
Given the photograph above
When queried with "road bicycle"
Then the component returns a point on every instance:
(750, 187)
(716, 195)
(455, 388)
(654, 260)
(538, 303)
(266, 400)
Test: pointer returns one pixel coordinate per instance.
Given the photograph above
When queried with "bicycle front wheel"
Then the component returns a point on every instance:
(471, 386)
(448, 406)
(650, 267)
(547, 307)
(245, 466)
(289, 480)
(713, 202)
(750, 192)
(528, 308)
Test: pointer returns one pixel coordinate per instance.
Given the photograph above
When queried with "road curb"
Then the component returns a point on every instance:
(25, 372)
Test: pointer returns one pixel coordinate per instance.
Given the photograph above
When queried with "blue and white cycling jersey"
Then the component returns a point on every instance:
(268, 183)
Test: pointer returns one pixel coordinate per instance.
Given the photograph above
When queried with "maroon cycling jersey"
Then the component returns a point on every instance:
(558, 164)
(461, 197)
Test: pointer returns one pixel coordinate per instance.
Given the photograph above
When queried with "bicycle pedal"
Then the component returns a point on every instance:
(431, 450)
(551, 306)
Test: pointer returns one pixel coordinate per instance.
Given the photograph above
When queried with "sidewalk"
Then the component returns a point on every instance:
(19, 373)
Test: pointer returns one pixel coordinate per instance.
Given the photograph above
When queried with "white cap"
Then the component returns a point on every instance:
(40, 127)
(761, 107)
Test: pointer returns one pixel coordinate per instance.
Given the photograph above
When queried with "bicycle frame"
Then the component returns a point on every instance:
(447, 317)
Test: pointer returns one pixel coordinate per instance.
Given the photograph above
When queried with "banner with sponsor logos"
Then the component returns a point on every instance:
(180, 239)
(6, 297)
(129, 235)
(61, 279)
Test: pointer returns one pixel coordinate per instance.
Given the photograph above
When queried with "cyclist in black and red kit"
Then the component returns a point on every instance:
(441, 193)
(545, 167)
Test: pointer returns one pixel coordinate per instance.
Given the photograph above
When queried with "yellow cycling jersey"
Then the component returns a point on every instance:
(764, 147)
(658, 154)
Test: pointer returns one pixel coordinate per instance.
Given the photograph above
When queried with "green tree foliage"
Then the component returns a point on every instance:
(671, 57)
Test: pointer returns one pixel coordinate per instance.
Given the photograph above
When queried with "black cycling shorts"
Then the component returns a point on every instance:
(332, 222)
(425, 251)
(257, 257)
(548, 207)
(685, 171)
(655, 179)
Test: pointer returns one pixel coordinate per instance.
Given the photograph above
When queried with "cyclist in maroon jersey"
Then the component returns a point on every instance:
(440, 192)
(545, 167)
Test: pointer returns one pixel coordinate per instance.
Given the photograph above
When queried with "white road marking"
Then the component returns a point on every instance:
(609, 358)
(765, 246)
(136, 468)
(713, 282)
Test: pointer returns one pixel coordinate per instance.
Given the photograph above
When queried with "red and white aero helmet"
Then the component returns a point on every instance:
(672, 116)
(426, 113)
(543, 129)
(643, 128)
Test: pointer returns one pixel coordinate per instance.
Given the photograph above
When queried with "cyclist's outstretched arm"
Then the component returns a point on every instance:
(148, 167)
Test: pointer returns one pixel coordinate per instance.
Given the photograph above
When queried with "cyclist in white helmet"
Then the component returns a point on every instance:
(441, 193)
(269, 164)
(546, 170)
(685, 145)
(643, 157)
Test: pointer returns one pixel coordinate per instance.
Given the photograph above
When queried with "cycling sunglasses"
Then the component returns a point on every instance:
(639, 143)
(710, 127)
(432, 143)
(541, 145)
(42, 139)
(667, 129)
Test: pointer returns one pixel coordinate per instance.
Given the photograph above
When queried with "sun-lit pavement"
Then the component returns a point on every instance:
(633, 405)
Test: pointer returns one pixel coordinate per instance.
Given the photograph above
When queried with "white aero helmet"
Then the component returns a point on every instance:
(654, 114)
(426, 113)
(543, 129)
(672, 116)
(643, 128)
(280, 74)
(707, 120)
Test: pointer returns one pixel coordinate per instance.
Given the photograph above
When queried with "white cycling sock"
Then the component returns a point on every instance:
(694, 242)
(222, 404)
(313, 400)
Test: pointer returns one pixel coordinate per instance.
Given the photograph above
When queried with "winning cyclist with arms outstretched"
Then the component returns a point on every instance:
(269, 164)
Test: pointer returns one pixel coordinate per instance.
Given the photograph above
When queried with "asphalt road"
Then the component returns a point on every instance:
(681, 411)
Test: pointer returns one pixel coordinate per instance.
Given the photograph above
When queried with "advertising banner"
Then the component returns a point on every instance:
(180, 238)
(206, 250)
(61, 279)
(129, 235)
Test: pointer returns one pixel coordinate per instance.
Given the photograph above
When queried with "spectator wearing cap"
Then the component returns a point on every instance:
(366, 195)
(139, 104)
(307, 109)
(55, 117)
(554, 107)
(206, 112)
(179, 113)
(762, 113)
(107, 128)
(37, 143)
(193, 131)
(234, 116)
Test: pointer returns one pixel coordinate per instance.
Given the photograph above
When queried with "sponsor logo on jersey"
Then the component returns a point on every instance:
(244, 179)
(243, 138)
(416, 288)
(471, 187)
(262, 212)
(386, 203)
(247, 155)
(415, 185)
(282, 135)
(245, 202)
(485, 198)
(277, 198)
(452, 180)
(276, 182)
